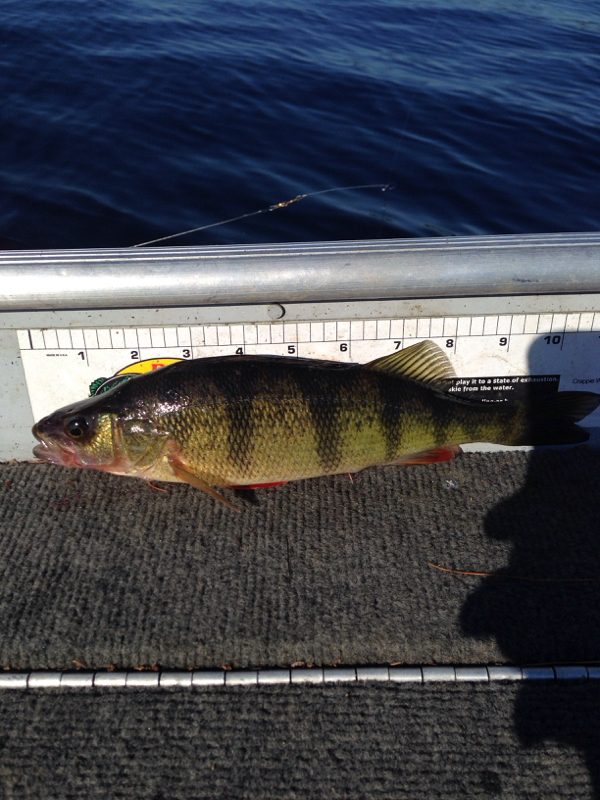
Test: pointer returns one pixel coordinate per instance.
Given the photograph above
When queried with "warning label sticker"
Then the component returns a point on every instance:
(503, 388)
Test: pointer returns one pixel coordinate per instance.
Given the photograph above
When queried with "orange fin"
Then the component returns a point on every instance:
(195, 480)
(435, 456)
(258, 485)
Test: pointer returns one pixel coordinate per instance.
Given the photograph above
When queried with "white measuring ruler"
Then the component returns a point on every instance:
(495, 356)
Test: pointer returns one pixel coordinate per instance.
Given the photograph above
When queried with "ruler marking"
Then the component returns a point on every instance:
(572, 322)
(396, 330)
(370, 327)
(384, 329)
(423, 328)
(277, 333)
(357, 330)
(350, 340)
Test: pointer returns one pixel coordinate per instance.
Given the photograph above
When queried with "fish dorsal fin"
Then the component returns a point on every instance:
(425, 362)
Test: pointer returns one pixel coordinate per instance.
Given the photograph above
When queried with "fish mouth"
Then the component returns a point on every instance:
(56, 453)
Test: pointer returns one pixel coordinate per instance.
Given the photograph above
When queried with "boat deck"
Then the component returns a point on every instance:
(100, 572)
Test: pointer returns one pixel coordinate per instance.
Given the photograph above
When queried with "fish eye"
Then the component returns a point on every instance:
(76, 427)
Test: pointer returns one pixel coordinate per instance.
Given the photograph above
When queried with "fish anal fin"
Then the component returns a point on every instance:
(424, 361)
(435, 456)
(199, 483)
(258, 485)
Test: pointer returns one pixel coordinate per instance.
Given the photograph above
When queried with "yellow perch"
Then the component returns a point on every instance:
(243, 421)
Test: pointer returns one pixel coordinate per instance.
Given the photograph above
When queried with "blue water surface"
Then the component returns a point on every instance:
(126, 122)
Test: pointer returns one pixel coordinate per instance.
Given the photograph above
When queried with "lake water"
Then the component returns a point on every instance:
(125, 122)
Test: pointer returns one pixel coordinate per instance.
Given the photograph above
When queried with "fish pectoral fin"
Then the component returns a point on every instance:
(435, 456)
(199, 483)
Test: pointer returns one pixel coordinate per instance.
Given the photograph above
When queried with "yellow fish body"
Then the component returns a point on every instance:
(248, 421)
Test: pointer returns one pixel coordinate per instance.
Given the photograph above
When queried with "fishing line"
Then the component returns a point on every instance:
(274, 207)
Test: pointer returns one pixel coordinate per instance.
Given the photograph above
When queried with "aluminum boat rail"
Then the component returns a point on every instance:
(291, 273)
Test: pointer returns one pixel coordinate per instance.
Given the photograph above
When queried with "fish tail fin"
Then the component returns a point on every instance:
(552, 419)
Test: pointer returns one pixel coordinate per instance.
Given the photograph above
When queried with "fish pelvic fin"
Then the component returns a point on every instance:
(553, 419)
(183, 473)
(425, 362)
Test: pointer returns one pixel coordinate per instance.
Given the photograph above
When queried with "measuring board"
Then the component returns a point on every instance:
(495, 357)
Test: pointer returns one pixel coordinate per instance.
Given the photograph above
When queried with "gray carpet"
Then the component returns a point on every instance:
(105, 570)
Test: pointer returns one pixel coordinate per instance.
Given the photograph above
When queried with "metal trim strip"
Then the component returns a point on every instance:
(55, 679)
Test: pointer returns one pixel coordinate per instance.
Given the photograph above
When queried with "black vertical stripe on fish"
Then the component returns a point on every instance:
(238, 390)
(324, 400)
(390, 417)
(440, 426)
